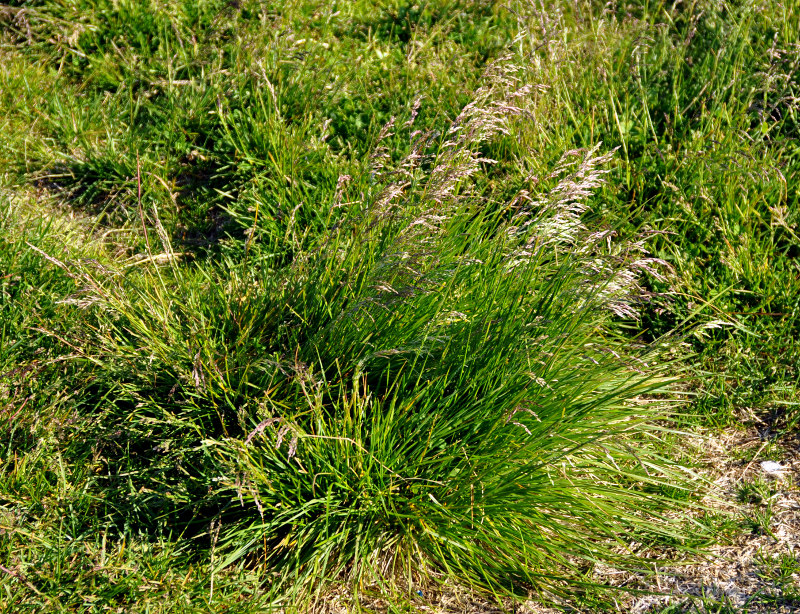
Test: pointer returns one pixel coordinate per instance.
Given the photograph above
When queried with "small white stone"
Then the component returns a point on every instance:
(772, 467)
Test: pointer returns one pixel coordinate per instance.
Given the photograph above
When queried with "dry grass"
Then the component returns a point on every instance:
(735, 575)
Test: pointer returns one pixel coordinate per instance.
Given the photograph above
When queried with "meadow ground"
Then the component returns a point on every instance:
(449, 305)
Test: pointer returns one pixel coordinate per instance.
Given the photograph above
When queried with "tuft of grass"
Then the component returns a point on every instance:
(437, 387)
(298, 298)
(783, 571)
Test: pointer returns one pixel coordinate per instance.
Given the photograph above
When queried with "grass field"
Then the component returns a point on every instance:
(312, 306)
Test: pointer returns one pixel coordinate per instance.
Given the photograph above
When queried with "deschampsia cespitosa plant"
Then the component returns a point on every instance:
(435, 386)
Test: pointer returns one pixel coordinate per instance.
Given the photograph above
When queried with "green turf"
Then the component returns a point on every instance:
(309, 299)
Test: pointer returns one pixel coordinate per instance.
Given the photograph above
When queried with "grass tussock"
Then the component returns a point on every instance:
(381, 299)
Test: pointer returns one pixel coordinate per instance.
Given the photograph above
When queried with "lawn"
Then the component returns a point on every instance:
(449, 305)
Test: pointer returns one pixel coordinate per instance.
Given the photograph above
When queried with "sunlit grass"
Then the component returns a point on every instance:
(295, 299)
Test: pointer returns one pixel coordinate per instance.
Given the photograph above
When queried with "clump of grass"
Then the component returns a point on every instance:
(782, 571)
(330, 334)
(437, 385)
